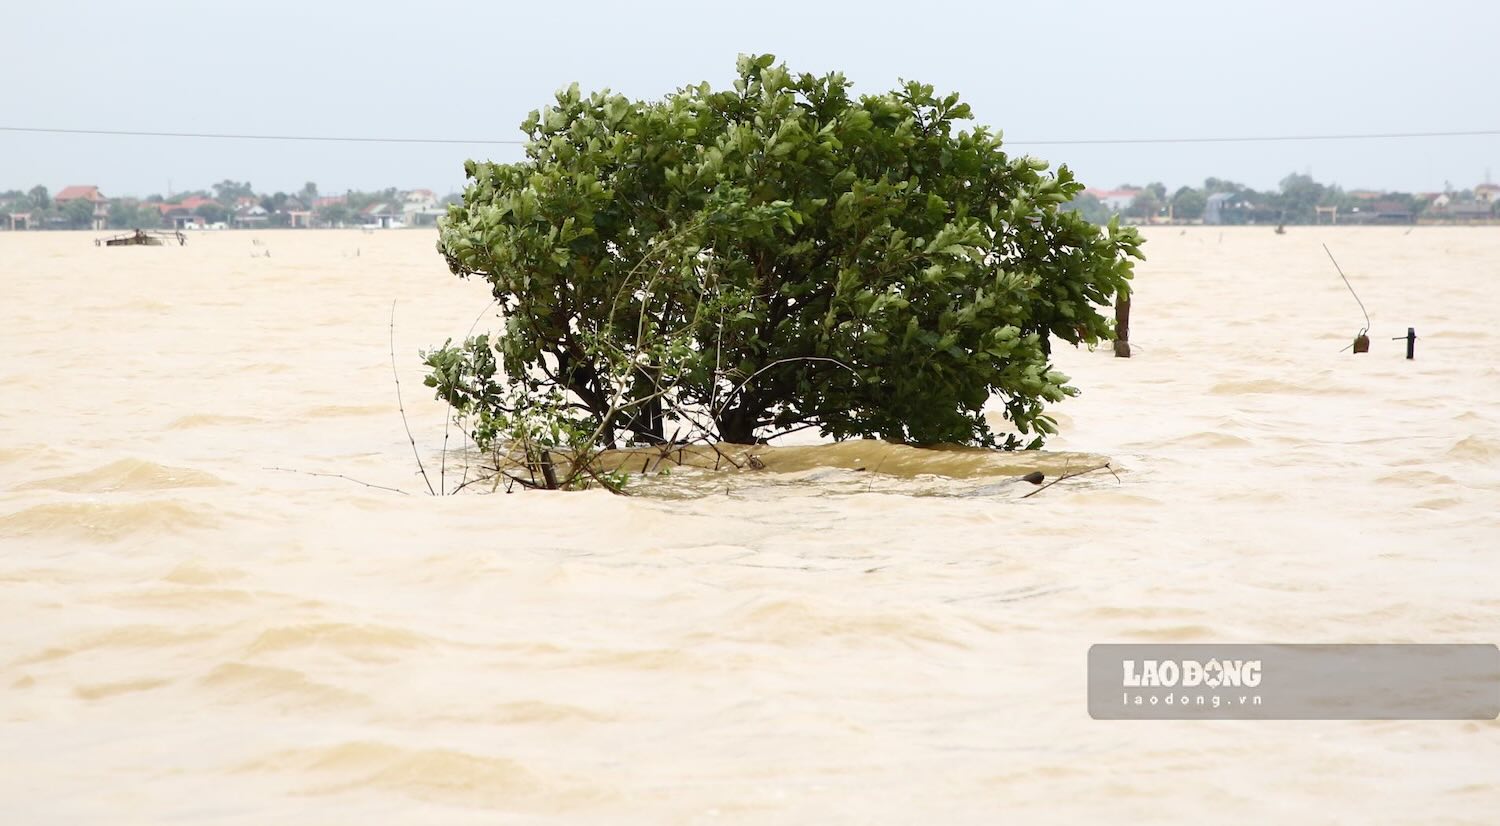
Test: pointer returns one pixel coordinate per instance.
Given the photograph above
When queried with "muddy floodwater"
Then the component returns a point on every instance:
(191, 632)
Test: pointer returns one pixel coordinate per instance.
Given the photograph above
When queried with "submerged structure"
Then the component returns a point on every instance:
(141, 238)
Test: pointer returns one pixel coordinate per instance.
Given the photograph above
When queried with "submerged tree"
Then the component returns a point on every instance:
(777, 256)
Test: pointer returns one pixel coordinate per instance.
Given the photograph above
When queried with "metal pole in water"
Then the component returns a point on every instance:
(1411, 342)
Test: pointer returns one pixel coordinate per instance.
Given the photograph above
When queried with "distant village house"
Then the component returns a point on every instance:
(1115, 200)
(184, 214)
(419, 208)
(90, 194)
(381, 216)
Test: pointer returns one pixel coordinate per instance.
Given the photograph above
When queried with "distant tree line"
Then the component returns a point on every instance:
(218, 204)
(1295, 201)
(38, 201)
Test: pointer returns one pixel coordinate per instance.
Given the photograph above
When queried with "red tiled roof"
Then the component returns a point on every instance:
(187, 205)
(73, 193)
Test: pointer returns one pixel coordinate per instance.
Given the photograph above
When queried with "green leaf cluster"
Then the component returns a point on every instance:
(784, 254)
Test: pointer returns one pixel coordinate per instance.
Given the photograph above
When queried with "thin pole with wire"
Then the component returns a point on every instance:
(1351, 289)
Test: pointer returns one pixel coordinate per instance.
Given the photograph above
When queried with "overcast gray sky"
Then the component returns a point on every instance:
(1037, 70)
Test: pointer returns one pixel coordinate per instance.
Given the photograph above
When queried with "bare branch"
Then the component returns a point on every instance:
(337, 476)
(1065, 476)
(779, 362)
(402, 407)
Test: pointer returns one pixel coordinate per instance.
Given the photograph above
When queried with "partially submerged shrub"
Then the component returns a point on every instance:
(743, 263)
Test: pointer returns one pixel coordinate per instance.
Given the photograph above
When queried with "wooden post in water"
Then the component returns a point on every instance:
(549, 471)
(1122, 325)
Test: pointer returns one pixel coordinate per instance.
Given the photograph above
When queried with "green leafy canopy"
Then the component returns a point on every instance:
(777, 256)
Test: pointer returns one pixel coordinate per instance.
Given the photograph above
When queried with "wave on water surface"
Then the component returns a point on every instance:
(105, 521)
(125, 475)
(440, 775)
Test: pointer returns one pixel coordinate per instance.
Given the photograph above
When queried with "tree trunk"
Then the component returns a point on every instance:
(737, 426)
(649, 424)
(1122, 326)
(549, 471)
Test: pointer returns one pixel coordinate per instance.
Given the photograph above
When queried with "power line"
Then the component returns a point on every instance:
(1052, 142)
(1264, 138)
(239, 137)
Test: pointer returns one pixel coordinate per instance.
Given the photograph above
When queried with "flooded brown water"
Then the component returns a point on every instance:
(189, 635)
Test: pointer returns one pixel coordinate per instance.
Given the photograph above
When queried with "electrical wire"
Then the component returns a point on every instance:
(241, 137)
(1050, 142)
(1264, 138)
(1351, 289)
